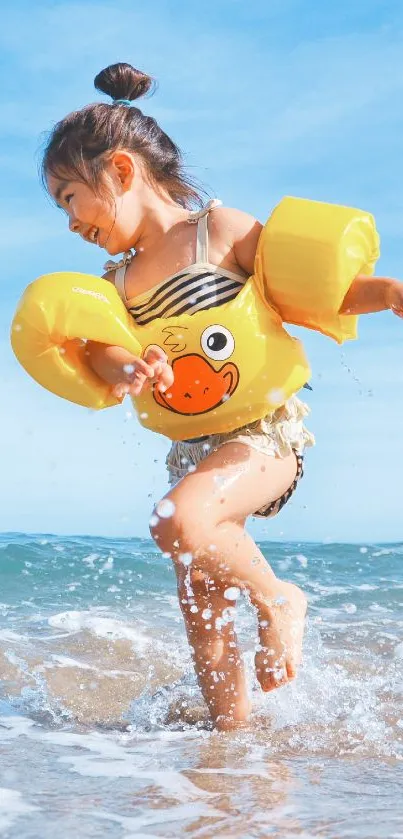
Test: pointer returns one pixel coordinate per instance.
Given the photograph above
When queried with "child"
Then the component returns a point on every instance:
(119, 178)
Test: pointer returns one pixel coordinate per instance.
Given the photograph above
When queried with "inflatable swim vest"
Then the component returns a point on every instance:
(232, 364)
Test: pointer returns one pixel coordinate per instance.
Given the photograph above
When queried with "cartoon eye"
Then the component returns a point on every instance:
(217, 342)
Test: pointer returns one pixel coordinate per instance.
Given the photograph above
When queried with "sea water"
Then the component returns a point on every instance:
(103, 731)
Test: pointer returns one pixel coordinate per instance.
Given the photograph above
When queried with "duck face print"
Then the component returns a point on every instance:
(200, 384)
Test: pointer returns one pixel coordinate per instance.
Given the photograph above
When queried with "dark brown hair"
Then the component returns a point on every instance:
(81, 143)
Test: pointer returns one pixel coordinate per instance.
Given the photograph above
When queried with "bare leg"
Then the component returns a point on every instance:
(207, 528)
(209, 621)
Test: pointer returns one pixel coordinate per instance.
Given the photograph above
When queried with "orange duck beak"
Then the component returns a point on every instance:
(197, 387)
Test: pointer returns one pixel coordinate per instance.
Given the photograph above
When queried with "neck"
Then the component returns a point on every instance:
(159, 214)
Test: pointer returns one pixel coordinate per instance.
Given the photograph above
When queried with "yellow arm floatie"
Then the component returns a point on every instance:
(308, 255)
(54, 312)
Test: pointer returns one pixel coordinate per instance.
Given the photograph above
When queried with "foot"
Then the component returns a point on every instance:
(281, 629)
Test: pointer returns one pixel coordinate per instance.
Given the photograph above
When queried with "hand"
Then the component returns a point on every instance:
(394, 298)
(153, 368)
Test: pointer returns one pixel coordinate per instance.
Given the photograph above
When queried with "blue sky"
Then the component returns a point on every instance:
(265, 98)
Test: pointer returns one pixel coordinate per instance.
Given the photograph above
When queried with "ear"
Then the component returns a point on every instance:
(123, 169)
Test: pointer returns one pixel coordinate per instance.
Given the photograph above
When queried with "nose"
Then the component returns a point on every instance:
(74, 225)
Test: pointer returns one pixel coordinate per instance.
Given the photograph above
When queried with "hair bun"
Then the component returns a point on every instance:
(122, 81)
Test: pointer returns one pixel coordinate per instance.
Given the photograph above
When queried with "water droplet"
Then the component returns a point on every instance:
(276, 396)
(280, 601)
(232, 593)
(228, 614)
(128, 368)
(350, 608)
(165, 508)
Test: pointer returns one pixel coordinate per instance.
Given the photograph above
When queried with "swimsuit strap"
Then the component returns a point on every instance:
(120, 272)
(200, 217)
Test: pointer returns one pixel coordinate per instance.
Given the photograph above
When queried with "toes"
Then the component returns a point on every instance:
(271, 678)
(267, 687)
(280, 676)
(267, 683)
(291, 670)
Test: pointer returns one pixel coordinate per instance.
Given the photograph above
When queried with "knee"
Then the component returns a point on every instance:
(178, 518)
(170, 526)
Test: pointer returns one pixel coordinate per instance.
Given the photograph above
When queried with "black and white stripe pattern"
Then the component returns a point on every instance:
(187, 292)
(275, 506)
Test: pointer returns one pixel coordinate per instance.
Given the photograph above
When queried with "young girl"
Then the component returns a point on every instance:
(119, 178)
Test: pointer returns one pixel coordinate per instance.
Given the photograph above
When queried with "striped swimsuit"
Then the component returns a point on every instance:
(199, 286)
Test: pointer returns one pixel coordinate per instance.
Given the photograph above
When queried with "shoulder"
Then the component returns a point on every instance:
(236, 223)
(240, 230)
(110, 276)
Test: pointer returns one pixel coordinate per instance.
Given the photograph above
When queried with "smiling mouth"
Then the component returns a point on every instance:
(93, 236)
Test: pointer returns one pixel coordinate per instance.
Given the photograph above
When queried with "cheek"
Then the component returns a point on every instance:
(128, 215)
(103, 212)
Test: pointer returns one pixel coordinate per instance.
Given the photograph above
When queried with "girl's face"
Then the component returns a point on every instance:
(111, 219)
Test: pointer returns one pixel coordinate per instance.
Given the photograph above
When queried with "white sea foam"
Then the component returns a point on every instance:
(64, 661)
(159, 818)
(12, 806)
(9, 635)
(97, 755)
(102, 627)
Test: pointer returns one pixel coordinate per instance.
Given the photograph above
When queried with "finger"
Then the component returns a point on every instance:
(138, 382)
(154, 353)
(134, 387)
(140, 368)
(121, 390)
(166, 378)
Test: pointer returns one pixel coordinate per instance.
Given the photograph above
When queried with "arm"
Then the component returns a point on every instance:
(126, 372)
(238, 233)
(373, 294)
(119, 368)
(247, 233)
